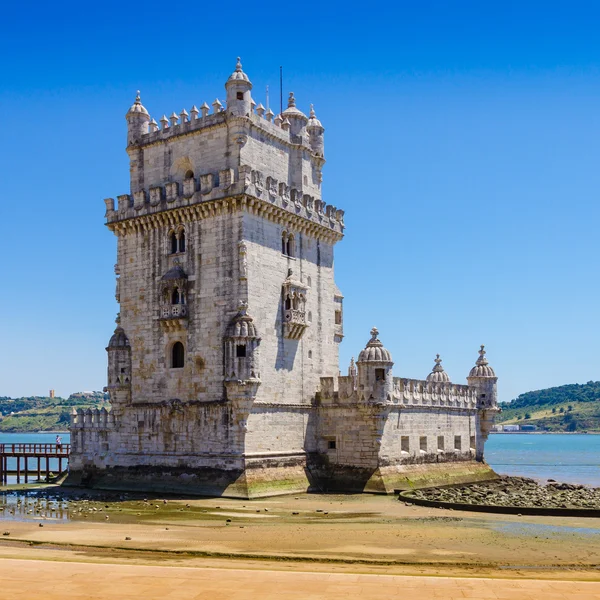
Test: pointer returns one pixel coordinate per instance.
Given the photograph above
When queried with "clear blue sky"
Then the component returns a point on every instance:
(462, 139)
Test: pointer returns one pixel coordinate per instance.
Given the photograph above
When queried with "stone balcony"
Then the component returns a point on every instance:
(295, 323)
(174, 315)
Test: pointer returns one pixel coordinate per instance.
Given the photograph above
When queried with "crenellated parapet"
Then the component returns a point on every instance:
(273, 198)
(92, 419)
(406, 393)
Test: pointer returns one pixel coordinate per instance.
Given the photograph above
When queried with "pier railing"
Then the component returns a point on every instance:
(16, 459)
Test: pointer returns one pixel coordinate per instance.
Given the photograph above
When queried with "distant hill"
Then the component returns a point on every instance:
(572, 407)
(41, 413)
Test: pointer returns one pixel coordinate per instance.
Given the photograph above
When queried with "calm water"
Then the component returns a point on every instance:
(572, 458)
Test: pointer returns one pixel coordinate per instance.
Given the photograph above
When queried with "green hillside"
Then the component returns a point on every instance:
(39, 413)
(573, 407)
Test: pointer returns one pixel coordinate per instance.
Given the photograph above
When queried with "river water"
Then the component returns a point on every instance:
(572, 458)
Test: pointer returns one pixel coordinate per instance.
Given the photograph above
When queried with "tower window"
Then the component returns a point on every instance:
(176, 297)
(182, 241)
(177, 356)
(440, 444)
(240, 351)
(240, 95)
(423, 443)
(379, 374)
(338, 317)
(457, 442)
(189, 174)
(288, 244)
(173, 239)
(331, 445)
(404, 444)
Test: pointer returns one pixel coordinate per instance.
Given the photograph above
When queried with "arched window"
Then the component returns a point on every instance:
(177, 356)
(173, 240)
(284, 243)
(189, 174)
(182, 241)
(290, 246)
(288, 303)
(176, 297)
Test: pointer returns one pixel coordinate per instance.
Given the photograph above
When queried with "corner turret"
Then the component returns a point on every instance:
(315, 133)
(138, 121)
(239, 99)
(375, 381)
(483, 380)
(296, 118)
(119, 367)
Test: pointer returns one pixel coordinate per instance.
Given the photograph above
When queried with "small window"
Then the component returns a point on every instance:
(379, 374)
(182, 241)
(189, 174)
(176, 297)
(305, 180)
(423, 443)
(405, 444)
(309, 281)
(310, 354)
(310, 316)
(338, 317)
(240, 95)
(483, 395)
(177, 356)
(173, 243)
(240, 351)
(472, 442)
(331, 445)
(457, 442)
(440, 443)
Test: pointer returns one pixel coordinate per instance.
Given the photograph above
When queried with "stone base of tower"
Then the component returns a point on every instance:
(260, 477)
(389, 479)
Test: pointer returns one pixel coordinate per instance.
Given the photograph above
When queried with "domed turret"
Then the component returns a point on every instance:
(315, 133)
(375, 364)
(482, 368)
(119, 363)
(483, 380)
(374, 351)
(296, 118)
(118, 339)
(241, 348)
(138, 120)
(238, 86)
(438, 375)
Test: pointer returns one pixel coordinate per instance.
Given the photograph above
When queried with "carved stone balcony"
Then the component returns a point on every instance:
(294, 323)
(174, 315)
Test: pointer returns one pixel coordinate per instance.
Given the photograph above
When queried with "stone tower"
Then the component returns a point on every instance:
(229, 313)
(223, 370)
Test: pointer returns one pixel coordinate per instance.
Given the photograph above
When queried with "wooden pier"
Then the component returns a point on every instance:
(39, 454)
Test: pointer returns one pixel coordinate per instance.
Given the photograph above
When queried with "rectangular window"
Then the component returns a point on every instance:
(331, 445)
(457, 442)
(440, 443)
(379, 374)
(338, 317)
(240, 95)
(423, 443)
(240, 350)
(405, 444)
(472, 442)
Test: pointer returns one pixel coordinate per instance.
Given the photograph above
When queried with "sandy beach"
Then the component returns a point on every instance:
(333, 538)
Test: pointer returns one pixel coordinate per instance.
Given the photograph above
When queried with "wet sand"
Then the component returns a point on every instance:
(345, 535)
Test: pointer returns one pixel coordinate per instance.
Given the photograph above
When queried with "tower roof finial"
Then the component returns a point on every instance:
(238, 75)
(137, 106)
(238, 65)
(482, 368)
(438, 375)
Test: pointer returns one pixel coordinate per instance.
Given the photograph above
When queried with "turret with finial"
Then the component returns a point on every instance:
(137, 121)
(239, 98)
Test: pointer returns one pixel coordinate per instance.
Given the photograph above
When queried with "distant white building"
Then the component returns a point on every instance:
(510, 428)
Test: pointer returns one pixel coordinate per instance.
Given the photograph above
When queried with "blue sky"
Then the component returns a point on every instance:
(462, 140)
